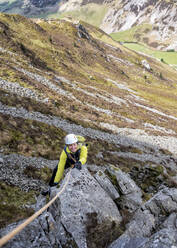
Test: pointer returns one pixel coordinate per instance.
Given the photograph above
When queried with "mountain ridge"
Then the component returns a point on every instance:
(113, 17)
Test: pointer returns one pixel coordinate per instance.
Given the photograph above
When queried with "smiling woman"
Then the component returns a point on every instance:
(73, 155)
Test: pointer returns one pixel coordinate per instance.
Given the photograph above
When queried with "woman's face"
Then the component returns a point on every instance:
(73, 147)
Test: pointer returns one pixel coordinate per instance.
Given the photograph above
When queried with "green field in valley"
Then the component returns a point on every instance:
(169, 57)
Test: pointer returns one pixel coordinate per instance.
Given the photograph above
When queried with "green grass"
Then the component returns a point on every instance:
(131, 35)
(166, 57)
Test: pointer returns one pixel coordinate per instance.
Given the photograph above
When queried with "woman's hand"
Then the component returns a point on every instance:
(77, 165)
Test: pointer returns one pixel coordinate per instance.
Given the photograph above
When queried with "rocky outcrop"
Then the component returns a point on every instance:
(130, 194)
(81, 216)
(35, 7)
(89, 208)
(154, 224)
(85, 215)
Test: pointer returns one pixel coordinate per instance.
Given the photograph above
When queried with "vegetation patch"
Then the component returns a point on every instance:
(131, 35)
(149, 178)
(44, 173)
(30, 138)
(95, 231)
(15, 204)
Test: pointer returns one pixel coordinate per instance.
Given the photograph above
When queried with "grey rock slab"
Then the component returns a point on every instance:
(171, 221)
(128, 242)
(142, 223)
(153, 213)
(125, 183)
(164, 201)
(131, 201)
(83, 205)
(33, 236)
(130, 193)
(106, 184)
(165, 238)
(1, 160)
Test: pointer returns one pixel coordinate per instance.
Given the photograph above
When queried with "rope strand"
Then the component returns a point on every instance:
(19, 228)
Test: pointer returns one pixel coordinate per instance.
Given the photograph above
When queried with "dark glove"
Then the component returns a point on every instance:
(54, 184)
(77, 165)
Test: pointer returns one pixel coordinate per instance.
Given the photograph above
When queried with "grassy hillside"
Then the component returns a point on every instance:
(55, 47)
(134, 34)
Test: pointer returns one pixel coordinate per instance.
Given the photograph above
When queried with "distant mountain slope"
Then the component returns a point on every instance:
(157, 19)
(28, 7)
(161, 16)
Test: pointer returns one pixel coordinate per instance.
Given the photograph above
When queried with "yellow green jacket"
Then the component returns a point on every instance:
(82, 149)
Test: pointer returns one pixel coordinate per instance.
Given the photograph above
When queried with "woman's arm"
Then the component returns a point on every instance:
(61, 166)
(83, 155)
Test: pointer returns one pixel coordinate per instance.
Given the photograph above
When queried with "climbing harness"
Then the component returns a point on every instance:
(19, 228)
(70, 157)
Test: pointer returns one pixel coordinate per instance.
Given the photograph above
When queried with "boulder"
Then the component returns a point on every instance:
(106, 184)
(130, 193)
(86, 211)
(146, 65)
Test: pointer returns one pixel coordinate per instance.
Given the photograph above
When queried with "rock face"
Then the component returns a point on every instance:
(35, 7)
(130, 194)
(85, 216)
(159, 213)
(162, 15)
(39, 3)
(90, 210)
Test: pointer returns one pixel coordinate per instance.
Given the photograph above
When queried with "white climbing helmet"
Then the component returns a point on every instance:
(70, 139)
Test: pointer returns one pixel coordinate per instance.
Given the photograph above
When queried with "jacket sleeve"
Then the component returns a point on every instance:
(61, 166)
(83, 155)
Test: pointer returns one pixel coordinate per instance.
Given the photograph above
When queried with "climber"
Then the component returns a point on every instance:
(73, 155)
